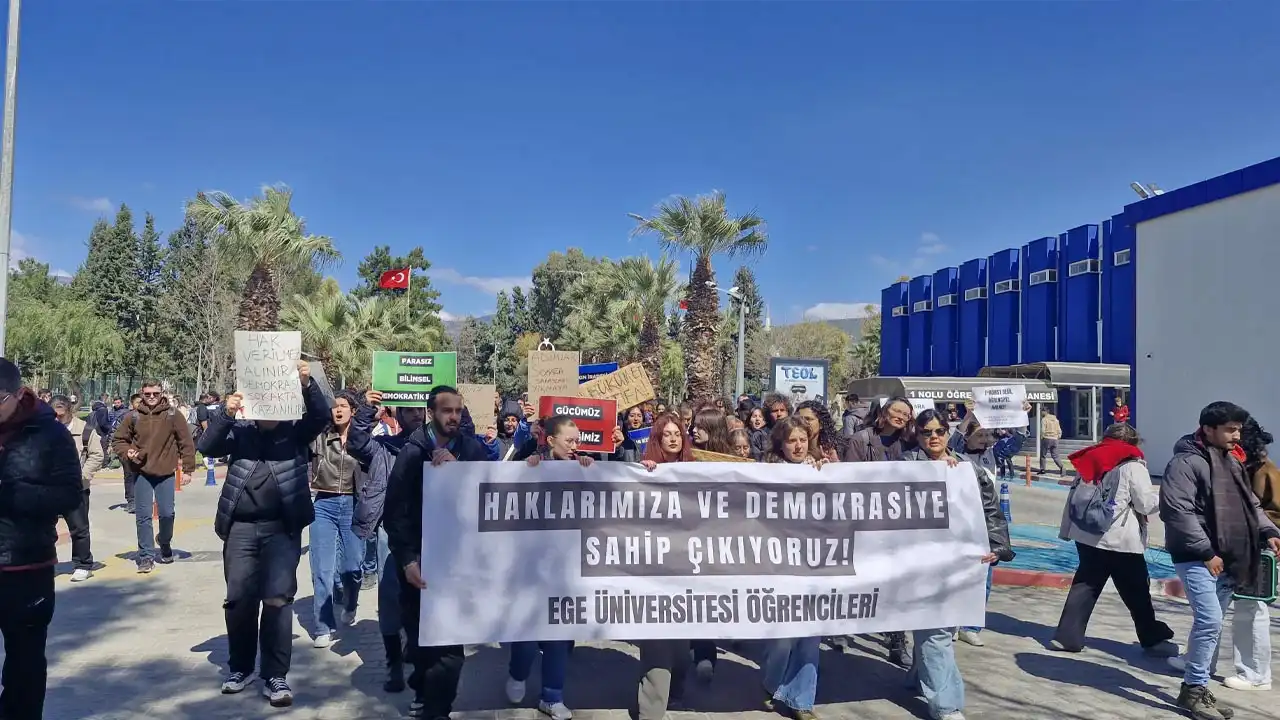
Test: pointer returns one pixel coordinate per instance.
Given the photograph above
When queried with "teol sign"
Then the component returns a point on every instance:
(406, 379)
(595, 419)
(800, 378)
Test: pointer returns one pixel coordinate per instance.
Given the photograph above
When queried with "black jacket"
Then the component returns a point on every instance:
(376, 455)
(287, 448)
(403, 516)
(39, 481)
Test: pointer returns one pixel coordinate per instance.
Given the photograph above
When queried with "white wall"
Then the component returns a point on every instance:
(1208, 316)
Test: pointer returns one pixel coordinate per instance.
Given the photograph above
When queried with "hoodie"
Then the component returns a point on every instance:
(161, 435)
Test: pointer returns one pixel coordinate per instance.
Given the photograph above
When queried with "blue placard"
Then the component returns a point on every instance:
(586, 373)
(640, 438)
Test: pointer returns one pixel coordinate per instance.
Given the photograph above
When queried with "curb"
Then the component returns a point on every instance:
(1011, 577)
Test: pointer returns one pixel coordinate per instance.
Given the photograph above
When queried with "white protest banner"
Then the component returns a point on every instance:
(698, 550)
(267, 374)
(919, 405)
(1000, 406)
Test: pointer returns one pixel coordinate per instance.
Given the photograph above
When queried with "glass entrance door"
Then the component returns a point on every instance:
(1084, 411)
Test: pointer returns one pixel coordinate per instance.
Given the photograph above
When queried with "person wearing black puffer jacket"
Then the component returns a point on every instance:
(39, 481)
(264, 507)
(436, 670)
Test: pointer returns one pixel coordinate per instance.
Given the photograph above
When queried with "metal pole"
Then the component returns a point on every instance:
(6, 163)
(742, 348)
(1093, 413)
(1039, 434)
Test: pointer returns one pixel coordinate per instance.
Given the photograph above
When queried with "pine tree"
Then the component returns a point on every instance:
(468, 348)
(757, 360)
(502, 338)
(424, 300)
(147, 348)
(521, 317)
(108, 279)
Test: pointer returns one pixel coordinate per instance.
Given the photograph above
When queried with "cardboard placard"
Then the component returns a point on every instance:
(478, 400)
(553, 372)
(595, 419)
(267, 375)
(405, 379)
(706, 456)
(587, 373)
(1000, 406)
(628, 387)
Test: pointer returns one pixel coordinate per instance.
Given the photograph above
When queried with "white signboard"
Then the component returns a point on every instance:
(800, 379)
(267, 375)
(1000, 406)
(919, 405)
(698, 550)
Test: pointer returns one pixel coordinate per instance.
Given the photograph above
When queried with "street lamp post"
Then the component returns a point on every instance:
(736, 295)
(6, 163)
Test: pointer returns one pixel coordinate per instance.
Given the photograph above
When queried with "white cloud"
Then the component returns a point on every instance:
(96, 205)
(922, 258)
(447, 316)
(839, 311)
(491, 285)
(17, 248)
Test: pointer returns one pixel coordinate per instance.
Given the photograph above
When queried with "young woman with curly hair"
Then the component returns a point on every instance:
(824, 441)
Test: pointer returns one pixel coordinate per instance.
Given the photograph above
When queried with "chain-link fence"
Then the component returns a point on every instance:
(113, 385)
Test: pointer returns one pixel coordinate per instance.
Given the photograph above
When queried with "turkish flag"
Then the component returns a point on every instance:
(395, 279)
(684, 304)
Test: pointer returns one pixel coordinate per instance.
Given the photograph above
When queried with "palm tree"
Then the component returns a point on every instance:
(267, 236)
(342, 331)
(644, 291)
(703, 228)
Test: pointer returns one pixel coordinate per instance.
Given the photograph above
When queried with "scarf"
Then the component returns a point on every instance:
(15, 411)
(1235, 522)
(1097, 460)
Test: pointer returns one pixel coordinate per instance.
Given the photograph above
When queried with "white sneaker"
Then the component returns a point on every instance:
(347, 617)
(515, 691)
(237, 682)
(1235, 682)
(971, 637)
(323, 641)
(705, 670)
(1178, 663)
(555, 711)
(81, 574)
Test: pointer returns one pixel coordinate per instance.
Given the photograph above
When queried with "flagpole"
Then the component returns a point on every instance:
(408, 290)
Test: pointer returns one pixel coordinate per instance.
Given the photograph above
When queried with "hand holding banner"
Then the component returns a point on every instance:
(267, 375)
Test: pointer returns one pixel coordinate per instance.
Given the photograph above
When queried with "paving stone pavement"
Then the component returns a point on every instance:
(131, 647)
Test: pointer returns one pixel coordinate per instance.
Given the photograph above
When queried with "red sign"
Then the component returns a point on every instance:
(595, 419)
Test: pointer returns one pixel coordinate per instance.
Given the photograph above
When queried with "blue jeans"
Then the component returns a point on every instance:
(146, 490)
(990, 570)
(555, 665)
(1209, 598)
(388, 590)
(934, 673)
(791, 671)
(372, 557)
(336, 553)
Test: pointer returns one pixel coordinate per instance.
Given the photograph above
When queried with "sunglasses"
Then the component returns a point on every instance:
(155, 394)
(936, 432)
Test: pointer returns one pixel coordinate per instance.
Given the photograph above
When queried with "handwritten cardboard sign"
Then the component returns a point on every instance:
(267, 375)
(553, 372)
(595, 419)
(479, 402)
(628, 387)
(707, 456)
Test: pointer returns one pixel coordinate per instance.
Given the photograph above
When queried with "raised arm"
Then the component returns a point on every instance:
(219, 437)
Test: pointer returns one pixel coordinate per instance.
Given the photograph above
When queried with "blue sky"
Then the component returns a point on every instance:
(877, 139)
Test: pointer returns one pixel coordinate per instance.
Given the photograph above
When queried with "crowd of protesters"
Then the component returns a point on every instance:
(349, 471)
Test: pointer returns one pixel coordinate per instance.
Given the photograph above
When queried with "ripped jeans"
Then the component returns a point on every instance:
(260, 565)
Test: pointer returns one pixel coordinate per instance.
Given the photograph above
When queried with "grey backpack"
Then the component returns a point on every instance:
(1092, 507)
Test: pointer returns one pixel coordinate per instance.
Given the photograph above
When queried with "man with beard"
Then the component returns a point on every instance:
(154, 438)
(436, 670)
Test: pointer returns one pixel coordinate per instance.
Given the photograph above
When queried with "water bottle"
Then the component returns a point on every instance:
(1004, 502)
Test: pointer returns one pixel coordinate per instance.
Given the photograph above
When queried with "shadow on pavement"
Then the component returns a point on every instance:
(1075, 671)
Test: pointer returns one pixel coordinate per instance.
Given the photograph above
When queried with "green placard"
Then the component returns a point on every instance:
(406, 378)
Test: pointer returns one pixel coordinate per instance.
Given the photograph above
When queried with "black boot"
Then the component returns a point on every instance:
(395, 664)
